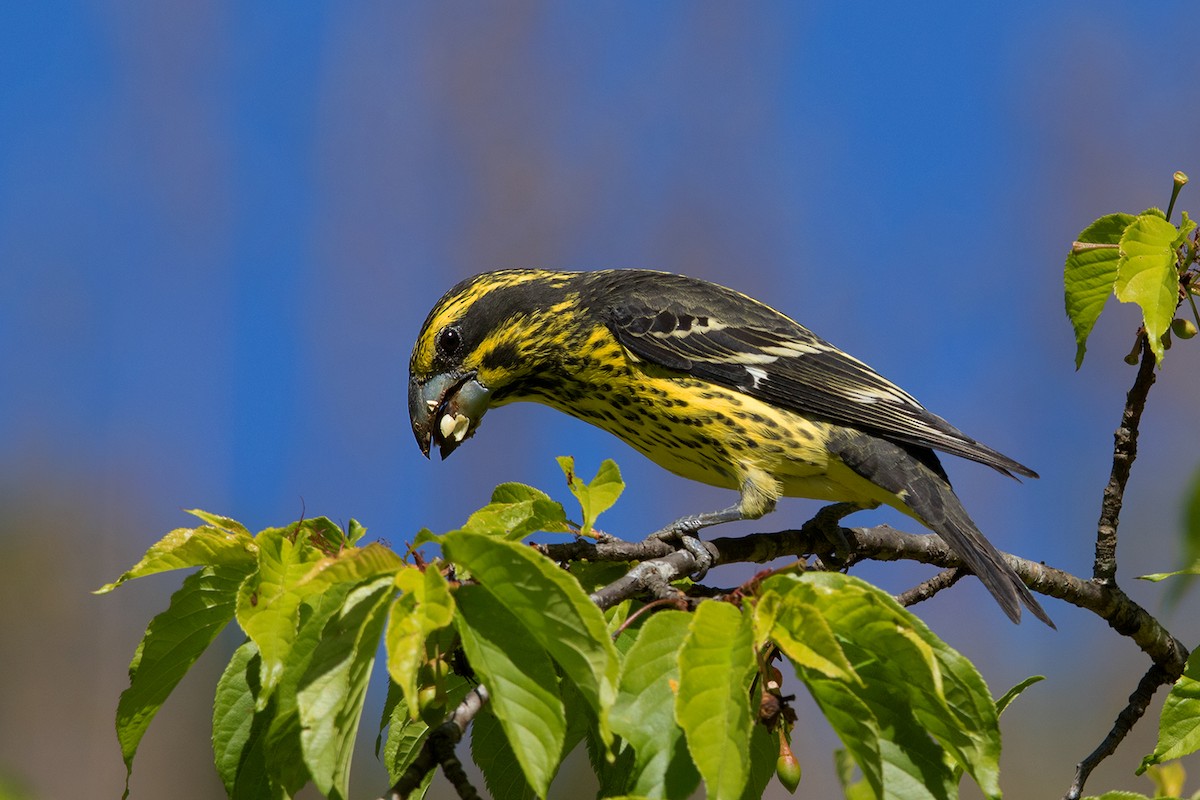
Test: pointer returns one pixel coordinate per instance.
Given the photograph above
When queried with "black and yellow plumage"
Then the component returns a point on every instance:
(706, 382)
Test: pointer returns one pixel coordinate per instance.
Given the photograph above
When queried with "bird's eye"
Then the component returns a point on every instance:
(449, 340)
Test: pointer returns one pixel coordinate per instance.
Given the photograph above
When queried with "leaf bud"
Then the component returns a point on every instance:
(1183, 328)
(787, 768)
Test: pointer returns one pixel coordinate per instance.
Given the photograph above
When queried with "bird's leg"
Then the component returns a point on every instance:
(684, 530)
(759, 492)
(827, 522)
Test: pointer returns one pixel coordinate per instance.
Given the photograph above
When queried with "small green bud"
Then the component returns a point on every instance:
(431, 705)
(787, 768)
(1183, 328)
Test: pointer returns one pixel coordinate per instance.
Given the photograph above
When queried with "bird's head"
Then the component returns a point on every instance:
(475, 349)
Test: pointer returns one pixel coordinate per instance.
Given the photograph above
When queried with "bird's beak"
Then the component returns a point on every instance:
(445, 409)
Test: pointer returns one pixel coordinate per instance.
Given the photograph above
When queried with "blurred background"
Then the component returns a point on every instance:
(222, 224)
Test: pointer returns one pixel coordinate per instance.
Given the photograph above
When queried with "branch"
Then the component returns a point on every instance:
(1168, 667)
(1133, 711)
(1124, 452)
(439, 750)
(927, 589)
(881, 543)
(651, 576)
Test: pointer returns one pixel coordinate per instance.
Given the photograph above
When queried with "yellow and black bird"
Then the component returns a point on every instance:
(706, 382)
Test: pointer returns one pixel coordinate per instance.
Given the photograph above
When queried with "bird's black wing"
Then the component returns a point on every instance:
(725, 337)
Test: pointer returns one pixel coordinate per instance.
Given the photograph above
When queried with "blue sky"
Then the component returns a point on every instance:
(221, 227)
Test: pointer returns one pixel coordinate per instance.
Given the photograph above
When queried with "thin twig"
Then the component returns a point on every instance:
(1125, 439)
(927, 589)
(647, 576)
(1126, 617)
(1133, 711)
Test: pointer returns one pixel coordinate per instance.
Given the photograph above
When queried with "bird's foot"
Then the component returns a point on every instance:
(827, 523)
(683, 532)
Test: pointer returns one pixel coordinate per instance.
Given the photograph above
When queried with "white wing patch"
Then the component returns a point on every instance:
(757, 374)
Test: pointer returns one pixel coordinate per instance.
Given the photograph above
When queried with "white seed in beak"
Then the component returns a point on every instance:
(454, 426)
(461, 423)
(431, 404)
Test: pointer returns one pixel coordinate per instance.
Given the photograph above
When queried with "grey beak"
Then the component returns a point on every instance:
(445, 410)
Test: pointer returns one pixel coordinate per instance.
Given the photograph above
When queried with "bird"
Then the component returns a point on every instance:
(709, 384)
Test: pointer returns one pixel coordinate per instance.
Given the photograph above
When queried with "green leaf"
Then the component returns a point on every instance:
(331, 693)
(520, 679)
(581, 722)
(644, 714)
(953, 704)
(612, 773)
(517, 510)
(284, 750)
(205, 546)
(716, 667)
(173, 641)
(425, 607)
(912, 685)
(593, 575)
(843, 764)
(1189, 540)
(1089, 276)
(764, 752)
(1168, 779)
(854, 723)
(228, 524)
(324, 534)
(406, 737)
(913, 766)
(492, 753)
(1179, 725)
(1012, 693)
(1118, 796)
(549, 604)
(1147, 275)
(268, 605)
(351, 565)
(1156, 577)
(394, 700)
(426, 536)
(597, 496)
(233, 712)
(1002, 703)
(291, 570)
(239, 733)
(801, 632)
(355, 531)
(1186, 226)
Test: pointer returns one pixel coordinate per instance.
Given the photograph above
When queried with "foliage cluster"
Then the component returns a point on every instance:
(662, 700)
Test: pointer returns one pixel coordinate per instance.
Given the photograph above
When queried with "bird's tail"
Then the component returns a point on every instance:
(915, 477)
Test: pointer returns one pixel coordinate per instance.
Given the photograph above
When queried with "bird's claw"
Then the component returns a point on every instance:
(687, 539)
(827, 524)
(704, 558)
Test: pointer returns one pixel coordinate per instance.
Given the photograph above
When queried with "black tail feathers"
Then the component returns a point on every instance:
(915, 476)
